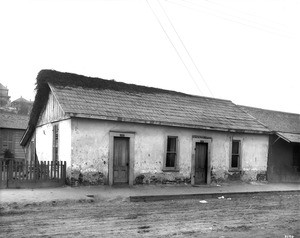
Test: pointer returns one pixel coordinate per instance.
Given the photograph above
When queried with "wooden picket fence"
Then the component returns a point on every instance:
(15, 174)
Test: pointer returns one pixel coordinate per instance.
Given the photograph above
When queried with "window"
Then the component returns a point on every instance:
(296, 155)
(235, 154)
(55, 142)
(7, 142)
(171, 155)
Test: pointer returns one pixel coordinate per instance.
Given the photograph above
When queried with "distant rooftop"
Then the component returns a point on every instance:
(276, 120)
(2, 87)
(22, 100)
(13, 121)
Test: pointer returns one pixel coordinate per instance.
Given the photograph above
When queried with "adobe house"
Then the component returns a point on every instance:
(111, 132)
(284, 143)
(22, 106)
(12, 128)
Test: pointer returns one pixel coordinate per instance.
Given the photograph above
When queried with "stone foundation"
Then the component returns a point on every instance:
(243, 175)
(162, 178)
(88, 177)
(78, 177)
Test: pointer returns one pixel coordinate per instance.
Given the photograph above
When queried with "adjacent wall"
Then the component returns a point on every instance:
(44, 141)
(280, 164)
(13, 136)
(90, 152)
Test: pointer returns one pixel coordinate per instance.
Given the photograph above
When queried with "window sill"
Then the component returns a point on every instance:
(170, 170)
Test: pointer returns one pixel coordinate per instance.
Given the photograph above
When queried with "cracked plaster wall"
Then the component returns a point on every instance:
(90, 152)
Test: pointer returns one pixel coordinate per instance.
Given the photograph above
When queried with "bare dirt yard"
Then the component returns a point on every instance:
(252, 216)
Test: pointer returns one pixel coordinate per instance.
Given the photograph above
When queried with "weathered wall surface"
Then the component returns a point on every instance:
(280, 164)
(254, 157)
(44, 141)
(90, 152)
(64, 141)
(15, 136)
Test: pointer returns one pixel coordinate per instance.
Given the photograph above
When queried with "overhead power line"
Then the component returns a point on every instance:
(177, 52)
(227, 17)
(191, 58)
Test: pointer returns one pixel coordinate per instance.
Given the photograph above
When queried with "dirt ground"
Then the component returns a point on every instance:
(253, 216)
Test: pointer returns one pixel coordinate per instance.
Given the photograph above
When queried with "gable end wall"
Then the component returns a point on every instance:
(53, 113)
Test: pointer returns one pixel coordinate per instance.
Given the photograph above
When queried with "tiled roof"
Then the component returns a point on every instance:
(290, 137)
(13, 121)
(2, 87)
(161, 107)
(21, 99)
(275, 120)
(107, 99)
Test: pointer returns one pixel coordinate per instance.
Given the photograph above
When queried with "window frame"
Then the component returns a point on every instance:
(175, 167)
(55, 142)
(239, 162)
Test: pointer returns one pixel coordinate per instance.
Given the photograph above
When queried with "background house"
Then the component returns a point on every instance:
(22, 106)
(284, 144)
(4, 98)
(12, 128)
(112, 132)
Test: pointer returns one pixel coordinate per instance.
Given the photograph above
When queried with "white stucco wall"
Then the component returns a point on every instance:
(44, 141)
(90, 148)
(64, 141)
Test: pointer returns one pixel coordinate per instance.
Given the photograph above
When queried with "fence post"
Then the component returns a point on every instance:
(47, 170)
(36, 170)
(51, 163)
(17, 174)
(54, 168)
(9, 172)
(1, 167)
(26, 170)
(30, 170)
(65, 172)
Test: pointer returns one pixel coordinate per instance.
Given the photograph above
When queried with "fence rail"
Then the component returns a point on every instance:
(32, 175)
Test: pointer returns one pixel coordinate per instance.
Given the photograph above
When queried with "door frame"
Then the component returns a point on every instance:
(112, 135)
(195, 140)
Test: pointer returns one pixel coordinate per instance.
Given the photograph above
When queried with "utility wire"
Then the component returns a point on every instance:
(186, 49)
(228, 19)
(230, 15)
(173, 46)
(243, 12)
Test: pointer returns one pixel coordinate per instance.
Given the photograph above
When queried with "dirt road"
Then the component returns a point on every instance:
(256, 216)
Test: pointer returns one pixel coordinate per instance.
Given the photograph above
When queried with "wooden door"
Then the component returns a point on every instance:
(201, 150)
(121, 160)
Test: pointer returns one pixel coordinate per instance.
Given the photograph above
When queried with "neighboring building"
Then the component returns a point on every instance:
(12, 128)
(284, 144)
(4, 98)
(22, 106)
(112, 132)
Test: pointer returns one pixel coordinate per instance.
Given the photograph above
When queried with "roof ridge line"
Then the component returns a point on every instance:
(157, 90)
(270, 110)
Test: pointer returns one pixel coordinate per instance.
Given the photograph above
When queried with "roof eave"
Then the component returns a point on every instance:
(26, 136)
(163, 123)
(282, 137)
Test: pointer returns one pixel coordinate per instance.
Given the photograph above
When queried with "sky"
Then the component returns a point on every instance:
(246, 51)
